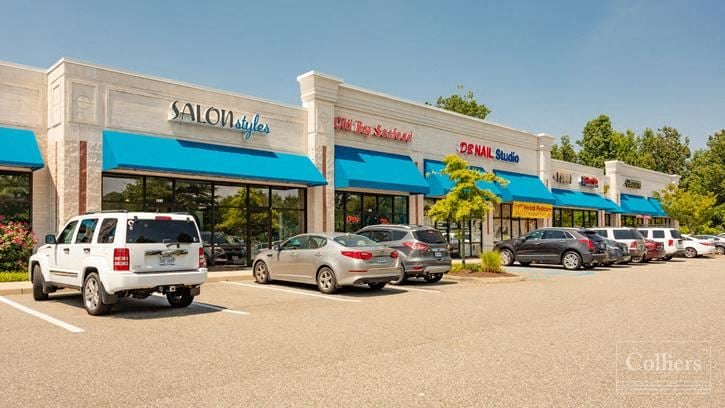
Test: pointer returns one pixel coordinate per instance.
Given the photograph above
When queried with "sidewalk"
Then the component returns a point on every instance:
(21, 288)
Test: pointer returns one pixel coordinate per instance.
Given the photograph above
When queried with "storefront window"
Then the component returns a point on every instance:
(506, 227)
(568, 217)
(236, 220)
(631, 221)
(16, 196)
(355, 210)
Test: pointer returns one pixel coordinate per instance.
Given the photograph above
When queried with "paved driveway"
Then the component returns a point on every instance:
(548, 341)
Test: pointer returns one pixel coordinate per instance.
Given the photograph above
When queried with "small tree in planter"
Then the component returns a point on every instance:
(16, 245)
(465, 201)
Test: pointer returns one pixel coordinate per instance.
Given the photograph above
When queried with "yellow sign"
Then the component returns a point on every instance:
(530, 210)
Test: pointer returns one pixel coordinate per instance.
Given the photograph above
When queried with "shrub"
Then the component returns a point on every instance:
(469, 267)
(16, 245)
(491, 262)
(13, 276)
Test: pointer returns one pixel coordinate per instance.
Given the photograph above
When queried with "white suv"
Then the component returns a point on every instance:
(669, 237)
(110, 255)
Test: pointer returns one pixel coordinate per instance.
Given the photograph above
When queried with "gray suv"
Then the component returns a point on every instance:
(423, 250)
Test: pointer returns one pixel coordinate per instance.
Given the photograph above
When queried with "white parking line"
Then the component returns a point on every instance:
(296, 292)
(212, 307)
(43, 316)
(407, 288)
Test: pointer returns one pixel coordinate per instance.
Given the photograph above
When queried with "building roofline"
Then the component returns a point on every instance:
(21, 66)
(621, 163)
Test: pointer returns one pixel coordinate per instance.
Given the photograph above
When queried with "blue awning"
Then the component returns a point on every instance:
(441, 184)
(583, 199)
(634, 204)
(525, 187)
(19, 149)
(655, 203)
(141, 152)
(358, 168)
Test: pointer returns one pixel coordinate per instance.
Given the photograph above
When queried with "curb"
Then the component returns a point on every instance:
(505, 279)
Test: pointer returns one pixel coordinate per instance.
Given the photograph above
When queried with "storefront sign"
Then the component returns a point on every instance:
(562, 178)
(589, 181)
(629, 183)
(359, 127)
(215, 117)
(486, 152)
(522, 209)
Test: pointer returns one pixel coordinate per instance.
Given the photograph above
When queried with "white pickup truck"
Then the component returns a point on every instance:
(109, 255)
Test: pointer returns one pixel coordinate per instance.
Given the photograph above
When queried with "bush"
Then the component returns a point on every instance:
(19, 276)
(16, 245)
(491, 262)
(469, 267)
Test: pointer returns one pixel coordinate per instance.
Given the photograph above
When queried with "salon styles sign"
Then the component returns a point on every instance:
(216, 117)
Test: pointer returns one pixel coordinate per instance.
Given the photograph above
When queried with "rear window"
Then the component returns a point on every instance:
(593, 235)
(429, 236)
(354, 240)
(644, 233)
(675, 234)
(160, 231)
(602, 233)
(626, 234)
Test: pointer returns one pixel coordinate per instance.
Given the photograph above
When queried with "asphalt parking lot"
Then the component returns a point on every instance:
(548, 341)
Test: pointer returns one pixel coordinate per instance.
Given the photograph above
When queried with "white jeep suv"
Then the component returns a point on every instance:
(109, 255)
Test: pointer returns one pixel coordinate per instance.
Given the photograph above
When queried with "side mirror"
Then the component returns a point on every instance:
(50, 239)
(275, 247)
(521, 239)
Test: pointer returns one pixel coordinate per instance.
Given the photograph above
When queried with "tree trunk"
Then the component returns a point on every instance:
(461, 245)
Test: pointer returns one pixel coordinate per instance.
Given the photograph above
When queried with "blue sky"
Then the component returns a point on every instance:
(540, 66)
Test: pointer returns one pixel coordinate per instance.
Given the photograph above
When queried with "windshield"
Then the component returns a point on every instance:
(160, 231)
(429, 236)
(352, 240)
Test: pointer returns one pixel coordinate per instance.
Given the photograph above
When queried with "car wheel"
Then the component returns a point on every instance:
(92, 296)
(179, 299)
(402, 278)
(524, 263)
(377, 285)
(261, 272)
(637, 259)
(38, 283)
(690, 252)
(507, 257)
(433, 277)
(667, 258)
(720, 250)
(326, 281)
(571, 260)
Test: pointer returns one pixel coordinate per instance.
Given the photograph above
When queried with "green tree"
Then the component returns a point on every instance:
(466, 200)
(707, 168)
(694, 211)
(626, 147)
(664, 151)
(598, 143)
(464, 103)
(564, 152)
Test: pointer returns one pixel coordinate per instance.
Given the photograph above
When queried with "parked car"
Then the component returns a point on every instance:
(614, 253)
(655, 250)
(328, 260)
(227, 249)
(111, 255)
(669, 237)
(570, 247)
(697, 247)
(453, 245)
(628, 236)
(716, 240)
(423, 250)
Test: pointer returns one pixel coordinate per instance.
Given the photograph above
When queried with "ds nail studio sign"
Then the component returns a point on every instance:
(218, 118)
(487, 152)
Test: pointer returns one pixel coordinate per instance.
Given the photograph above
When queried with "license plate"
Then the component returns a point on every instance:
(381, 260)
(438, 253)
(167, 260)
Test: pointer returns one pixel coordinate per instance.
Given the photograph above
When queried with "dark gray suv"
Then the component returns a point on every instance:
(570, 247)
(423, 250)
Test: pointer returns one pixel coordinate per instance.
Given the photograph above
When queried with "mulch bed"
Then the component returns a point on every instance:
(469, 274)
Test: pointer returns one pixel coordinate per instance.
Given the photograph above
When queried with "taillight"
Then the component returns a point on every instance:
(121, 259)
(588, 242)
(670, 242)
(202, 258)
(394, 254)
(633, 244)
(358, 254)
(416, 246)
(162, 218)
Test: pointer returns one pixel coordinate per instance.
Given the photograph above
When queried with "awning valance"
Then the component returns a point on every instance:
(441, 184)
(655, 203)
(634, 204)
(128, 151)
(524, 187)
(18, 148)
(358, 168)
(583, 199)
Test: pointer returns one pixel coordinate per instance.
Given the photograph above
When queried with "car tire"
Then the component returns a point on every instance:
(433, 277)
(38, 284)
(507, 257)
(637, 259)
(92, 295)
(377, 285)
(667, 258)
(690, 252)
(720, 250)
(524, 263)
(261, 273)
(326, 281)
(402, 278)
(571, 260)
(180, 299)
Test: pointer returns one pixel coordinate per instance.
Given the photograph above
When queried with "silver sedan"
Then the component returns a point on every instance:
(328, 260)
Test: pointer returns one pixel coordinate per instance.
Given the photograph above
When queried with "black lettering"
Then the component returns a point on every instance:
(175, 109)
(188, 110)
(227, 117)
(208, 116)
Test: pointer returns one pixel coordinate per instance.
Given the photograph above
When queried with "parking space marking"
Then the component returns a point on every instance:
(296, 292)
(406, 289)
(212, 307)
(49, 319)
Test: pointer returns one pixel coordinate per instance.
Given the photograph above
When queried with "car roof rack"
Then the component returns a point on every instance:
(104, 212)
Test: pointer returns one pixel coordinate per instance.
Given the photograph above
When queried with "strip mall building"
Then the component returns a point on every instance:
(80, 137)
